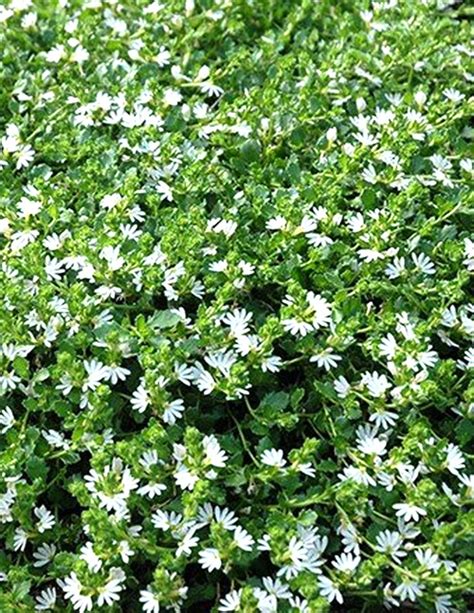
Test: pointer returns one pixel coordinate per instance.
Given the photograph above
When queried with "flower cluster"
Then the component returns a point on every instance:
(236, 331)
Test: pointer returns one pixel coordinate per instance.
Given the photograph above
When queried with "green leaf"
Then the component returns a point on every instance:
(163, 319)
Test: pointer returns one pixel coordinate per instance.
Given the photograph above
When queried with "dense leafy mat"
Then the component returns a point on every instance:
(235, 256)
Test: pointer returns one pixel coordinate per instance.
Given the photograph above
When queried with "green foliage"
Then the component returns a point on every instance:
(236, 265)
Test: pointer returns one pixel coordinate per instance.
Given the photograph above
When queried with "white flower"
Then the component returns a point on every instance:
(238, 321)
(140, 398)
(165, 191)
(388, 346)
(20, 538)
(225, 517)
(389, 601)
(46, 599)
(203, 379)
(266, 603)
(424, 359)
(209, 559)
(469, 357)
(212, 90)
(263, 544)
(356, 222)
(376, 384)
(164, 56)
(306, 468)
(72, 588)
(276, 588)
(53, 268)
(96, 372)
(346, 562)
(206, 513)
(272, 364)
(455, 460)
(308, 224)
(453, 95)
(428, 559)
(468, 481)
(187, 543)
(409, 511)
(116, 374)
(342, 386)
(80, 55)
(319, 240)
(469, 254)
(28, 207)
(368, 174)
(243, 539)
(331, 135)
(113, 487)
(383, 419)
(276, 223)
(299, 604)
(273, 457)
(230, 602)
(185, 478)
(55, 439)
(409, 590)
(350, 539)
(391, 543)
(221, 360)
(109, 593)
(90, 557)
(326, 359)
(329, 590)
(370, 255)
(166, 521)
(423, 263)
(125, 551)
(173, 411)
(44, 554)
(46, 519)
(296, 327)
(4, 225)
(420, 98)
(151, 489)
(359, 475)
(297, 551)
(443, 604)
(368, 443)
(55, 54)
(172, 97)
(223, 226)
(7, 419)
(112, 256)
(213, 452)
(9, 381)
(321, 309)
(408, 473)
(246, 268)
(149, 600)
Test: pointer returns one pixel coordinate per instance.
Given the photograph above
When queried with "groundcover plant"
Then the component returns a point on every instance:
(235, 252)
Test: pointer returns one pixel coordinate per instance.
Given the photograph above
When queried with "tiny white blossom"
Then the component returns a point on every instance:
(210, 559)
(273, 457)
(44, 554)
(150, 601)
(46, 519)
(46, 600)
(329, 590)
(7, 419)
(213, 452)
(409, 511)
